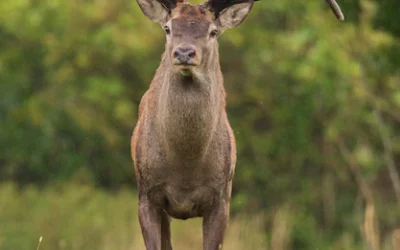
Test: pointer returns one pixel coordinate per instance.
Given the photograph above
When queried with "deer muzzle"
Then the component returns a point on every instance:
(185, 55)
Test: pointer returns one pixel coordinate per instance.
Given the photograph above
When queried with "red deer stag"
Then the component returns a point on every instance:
(183, 146)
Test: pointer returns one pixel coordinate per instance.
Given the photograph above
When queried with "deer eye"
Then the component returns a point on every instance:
(167, 30)
(213, 33)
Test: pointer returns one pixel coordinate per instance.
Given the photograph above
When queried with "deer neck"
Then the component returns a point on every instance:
(189, 110)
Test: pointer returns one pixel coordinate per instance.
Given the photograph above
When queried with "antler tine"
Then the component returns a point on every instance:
(336, 9)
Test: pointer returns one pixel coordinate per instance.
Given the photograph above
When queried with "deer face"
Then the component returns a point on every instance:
(191, 37)
(192, 31)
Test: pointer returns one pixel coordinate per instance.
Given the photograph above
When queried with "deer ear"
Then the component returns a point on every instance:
(233, 15)
(155, 10)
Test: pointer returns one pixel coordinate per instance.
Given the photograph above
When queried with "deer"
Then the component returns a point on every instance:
(183, 146)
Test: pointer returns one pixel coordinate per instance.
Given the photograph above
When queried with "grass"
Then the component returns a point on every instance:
(76, 217)
(81, 217)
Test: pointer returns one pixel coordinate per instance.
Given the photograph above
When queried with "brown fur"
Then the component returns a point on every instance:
(183, 146)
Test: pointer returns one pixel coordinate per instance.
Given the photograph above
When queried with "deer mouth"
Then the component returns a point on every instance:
(185, 64)
(186, 70)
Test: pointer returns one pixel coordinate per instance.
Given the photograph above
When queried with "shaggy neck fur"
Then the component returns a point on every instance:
(189, 108)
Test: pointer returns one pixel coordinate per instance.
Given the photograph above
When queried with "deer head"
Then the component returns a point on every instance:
(192, 31)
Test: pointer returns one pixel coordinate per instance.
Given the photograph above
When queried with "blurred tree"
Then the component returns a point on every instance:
(387, 15)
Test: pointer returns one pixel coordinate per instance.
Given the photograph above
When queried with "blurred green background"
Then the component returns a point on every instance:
(314, 104)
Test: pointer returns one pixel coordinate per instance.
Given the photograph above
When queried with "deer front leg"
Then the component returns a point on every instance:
(150, 219)
(214, 226)
(165, 232)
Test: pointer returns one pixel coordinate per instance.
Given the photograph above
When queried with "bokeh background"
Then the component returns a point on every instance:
(314, 104)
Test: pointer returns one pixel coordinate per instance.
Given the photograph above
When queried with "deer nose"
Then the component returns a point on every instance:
(184, 54)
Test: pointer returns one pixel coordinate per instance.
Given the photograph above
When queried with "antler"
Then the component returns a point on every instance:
(170, 4)
(336, 9)
(217, 6)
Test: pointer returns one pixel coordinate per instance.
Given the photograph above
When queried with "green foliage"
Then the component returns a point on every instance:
(387, 15)
(314, 104)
